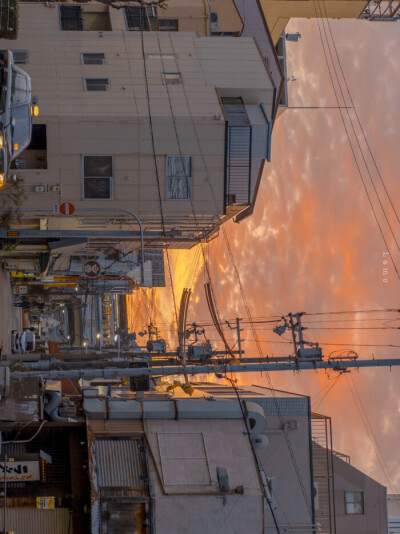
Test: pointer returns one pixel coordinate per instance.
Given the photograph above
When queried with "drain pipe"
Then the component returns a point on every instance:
(51, 408)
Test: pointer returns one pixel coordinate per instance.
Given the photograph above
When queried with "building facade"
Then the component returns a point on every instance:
(140, 121)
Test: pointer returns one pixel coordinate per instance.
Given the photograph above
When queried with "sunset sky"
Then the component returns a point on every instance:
(313, 244)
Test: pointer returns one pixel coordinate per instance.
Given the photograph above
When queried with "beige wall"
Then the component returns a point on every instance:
(279, 12)
(201, 508)
(115, 122)
(374, 519)
(290, 505)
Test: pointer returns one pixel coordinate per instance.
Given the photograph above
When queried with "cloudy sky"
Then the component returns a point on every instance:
(313, 243)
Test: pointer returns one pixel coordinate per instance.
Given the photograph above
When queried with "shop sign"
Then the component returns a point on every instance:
(20, 471)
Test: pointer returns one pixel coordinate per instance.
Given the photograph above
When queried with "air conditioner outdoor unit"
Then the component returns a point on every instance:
(40, 189)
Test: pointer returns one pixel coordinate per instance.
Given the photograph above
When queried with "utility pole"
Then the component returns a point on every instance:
(219, 370)
(238, 330)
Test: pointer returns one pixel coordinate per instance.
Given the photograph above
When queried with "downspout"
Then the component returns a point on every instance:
(51, 408)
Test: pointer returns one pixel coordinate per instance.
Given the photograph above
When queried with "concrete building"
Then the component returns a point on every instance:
(394, 513)
(360, 501)
(184, 172)
(159, 461)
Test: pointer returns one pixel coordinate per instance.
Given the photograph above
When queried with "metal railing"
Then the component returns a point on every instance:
(238, 164)
(322, 460)
(381, 10)
(237, 152)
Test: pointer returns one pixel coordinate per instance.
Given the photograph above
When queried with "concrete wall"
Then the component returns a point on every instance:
(291, 506)
(374, 520)
(202, 508)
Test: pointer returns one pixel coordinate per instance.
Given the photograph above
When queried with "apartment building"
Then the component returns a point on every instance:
(168, 125)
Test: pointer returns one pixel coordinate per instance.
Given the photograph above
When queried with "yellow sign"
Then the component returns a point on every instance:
(45, 502)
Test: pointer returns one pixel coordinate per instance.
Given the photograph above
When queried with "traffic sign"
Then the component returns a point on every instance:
(92, 269)
(67, 208)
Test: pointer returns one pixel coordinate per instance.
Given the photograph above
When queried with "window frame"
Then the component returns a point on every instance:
(167, 29)
(76, 8)
(83, 54)
(189, 178)
(85, 85)
(172, 81)
(26, 52)
(161, 56)
(111, 178)
(151, 20)
(361, 501)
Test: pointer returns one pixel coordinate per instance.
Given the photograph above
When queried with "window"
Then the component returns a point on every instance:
(96, 84)
(97, 177)
(71, 18)
(160, 56)
(354, 502)
(172, 78)
(75, 18)
(141, 18)
(20, 56)
(178, 177)
(92, 58)
(168, 25)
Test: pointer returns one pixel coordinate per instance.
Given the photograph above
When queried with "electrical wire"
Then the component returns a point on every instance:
(371, 435)
(349, 138)
(357, 116)
(27, 440)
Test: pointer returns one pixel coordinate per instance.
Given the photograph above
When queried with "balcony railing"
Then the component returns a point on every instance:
(382, 10)
(238, 164)
(322, 461)
(238, 152)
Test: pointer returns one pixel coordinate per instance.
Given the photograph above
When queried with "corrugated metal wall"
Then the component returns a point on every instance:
(119, 463)
(36, 521)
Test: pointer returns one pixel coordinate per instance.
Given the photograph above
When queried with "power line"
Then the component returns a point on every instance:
(368, 427)
(348, 134)
(357, 116)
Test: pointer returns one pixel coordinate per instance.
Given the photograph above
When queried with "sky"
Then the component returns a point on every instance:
(313, 243)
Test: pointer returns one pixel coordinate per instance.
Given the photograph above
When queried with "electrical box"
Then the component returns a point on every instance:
(157, 345)
(199, 352)
(312, 353)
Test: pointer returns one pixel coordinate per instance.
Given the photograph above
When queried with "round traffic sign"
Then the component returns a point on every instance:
(92, 269)
(67, 208)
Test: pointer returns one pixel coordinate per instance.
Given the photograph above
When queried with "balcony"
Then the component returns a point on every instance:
(248, 137)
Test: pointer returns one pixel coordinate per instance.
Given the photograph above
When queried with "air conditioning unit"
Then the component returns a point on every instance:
(40, 188)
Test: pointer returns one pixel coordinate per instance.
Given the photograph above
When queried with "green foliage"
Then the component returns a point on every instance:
(15, 191)
(9, 19)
